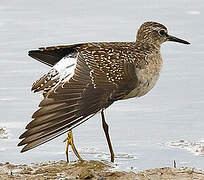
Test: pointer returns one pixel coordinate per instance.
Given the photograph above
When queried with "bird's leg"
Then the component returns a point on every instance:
(67, 146)
(70, 141)
(105, 128)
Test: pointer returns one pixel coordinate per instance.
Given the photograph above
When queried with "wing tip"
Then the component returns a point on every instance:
(41, 57)
(21, 143)
(32, 53)
(21, 137)
(24, 148)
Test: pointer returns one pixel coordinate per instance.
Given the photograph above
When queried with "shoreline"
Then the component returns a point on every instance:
(92, 170)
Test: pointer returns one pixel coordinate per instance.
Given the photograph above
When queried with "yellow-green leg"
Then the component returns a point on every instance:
(70, 141)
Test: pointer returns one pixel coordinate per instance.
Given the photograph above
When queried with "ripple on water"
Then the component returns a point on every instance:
(104, 155)
(196, 147)
(193, 12)
(3, 133)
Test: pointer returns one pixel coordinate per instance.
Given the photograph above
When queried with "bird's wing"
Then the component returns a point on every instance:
(53, 54)
(60, 73)
(77, 97)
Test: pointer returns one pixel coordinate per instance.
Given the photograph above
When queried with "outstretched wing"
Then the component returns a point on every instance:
(76, 98)
(60, 73)
(52, 55)
(65, 106)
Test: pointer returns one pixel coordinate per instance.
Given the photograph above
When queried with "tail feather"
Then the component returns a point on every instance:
(52, 55)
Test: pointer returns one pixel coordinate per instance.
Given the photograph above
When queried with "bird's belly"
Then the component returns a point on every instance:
(143, 87)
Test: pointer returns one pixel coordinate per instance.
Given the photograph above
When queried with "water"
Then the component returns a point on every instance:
(141, 129)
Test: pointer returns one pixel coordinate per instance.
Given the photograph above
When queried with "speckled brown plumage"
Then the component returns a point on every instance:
(98, 75)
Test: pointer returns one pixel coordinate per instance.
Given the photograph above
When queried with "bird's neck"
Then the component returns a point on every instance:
(148, 46)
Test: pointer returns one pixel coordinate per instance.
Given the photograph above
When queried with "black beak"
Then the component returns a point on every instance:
(175, 39)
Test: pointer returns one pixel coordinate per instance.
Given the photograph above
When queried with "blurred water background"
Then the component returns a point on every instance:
(165, 125)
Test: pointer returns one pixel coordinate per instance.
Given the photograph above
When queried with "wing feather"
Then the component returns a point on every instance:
(68, 102)
(65, 106)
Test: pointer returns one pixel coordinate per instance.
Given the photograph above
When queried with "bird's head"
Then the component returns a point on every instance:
(156, 33)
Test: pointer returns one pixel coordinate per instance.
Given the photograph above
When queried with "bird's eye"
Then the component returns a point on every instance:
(162, 32)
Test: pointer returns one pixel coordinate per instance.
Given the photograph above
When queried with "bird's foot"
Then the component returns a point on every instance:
(70, 141)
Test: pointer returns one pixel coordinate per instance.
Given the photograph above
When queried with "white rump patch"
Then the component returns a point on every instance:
(65, 68)
(60, 73)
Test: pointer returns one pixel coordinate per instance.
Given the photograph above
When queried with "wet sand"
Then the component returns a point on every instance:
(92, 170)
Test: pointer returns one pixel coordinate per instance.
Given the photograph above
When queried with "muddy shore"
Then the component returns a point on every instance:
(96, 170)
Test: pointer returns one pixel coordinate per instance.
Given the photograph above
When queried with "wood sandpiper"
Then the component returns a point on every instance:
(87, 78)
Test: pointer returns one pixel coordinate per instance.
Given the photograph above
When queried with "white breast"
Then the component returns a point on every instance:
(146, 81)
(143, 89)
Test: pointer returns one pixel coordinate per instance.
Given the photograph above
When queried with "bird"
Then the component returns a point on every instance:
(86, 78)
